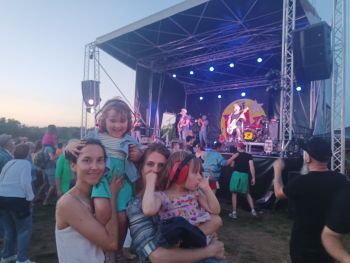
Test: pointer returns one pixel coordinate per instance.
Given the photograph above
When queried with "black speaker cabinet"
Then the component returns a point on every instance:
(312, 52)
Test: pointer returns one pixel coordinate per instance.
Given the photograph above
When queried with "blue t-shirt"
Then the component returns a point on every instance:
(215, 161)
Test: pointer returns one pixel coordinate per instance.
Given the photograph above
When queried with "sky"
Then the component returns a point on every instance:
(42, 54)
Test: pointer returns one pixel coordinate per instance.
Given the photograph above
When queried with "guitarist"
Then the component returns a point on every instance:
(235, 122)
(183, 125)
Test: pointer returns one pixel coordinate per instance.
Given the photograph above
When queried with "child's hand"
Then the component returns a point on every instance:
(116, 183)
(204, 185)
(134, 153)
(74, 147)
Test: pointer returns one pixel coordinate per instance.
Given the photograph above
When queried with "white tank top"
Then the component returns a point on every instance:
(72, 247)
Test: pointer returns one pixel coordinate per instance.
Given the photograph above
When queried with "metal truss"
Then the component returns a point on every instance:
(287, 75)
(91, 72)
(338, 86)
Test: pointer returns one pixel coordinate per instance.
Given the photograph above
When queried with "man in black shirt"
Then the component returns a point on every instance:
(311, 195)
(239, 182)
(337, 225)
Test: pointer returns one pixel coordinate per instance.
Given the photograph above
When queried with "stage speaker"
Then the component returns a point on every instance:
(91, 92)
(312, 52)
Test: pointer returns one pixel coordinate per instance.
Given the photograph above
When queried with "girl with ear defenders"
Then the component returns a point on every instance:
(187, 194)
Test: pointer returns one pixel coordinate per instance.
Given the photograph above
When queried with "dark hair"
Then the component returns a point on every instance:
(189, 138)
(21, 151)
(217, 145)
(120, 107)
(38, 146)
(59, 145)
(70, 157)
(51, 129)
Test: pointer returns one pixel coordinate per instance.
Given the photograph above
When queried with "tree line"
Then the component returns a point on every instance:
(16, 129)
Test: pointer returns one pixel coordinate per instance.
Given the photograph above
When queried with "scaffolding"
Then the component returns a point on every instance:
(287, 75)
(338, 86)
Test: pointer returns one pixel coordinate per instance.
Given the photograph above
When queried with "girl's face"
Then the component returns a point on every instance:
(116, 124)
(193, 178)
(154, 163)
(90, 165)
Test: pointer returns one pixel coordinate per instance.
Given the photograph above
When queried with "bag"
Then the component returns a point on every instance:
(41, 159)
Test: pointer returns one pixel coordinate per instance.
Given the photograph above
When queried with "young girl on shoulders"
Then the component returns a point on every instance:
(187, 194)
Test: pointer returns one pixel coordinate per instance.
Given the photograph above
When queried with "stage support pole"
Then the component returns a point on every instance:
(338, 86)
(287, 75)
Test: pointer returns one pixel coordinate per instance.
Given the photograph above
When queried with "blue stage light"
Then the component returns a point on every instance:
(232, 65)
(219, 96)
(174, 75)
(211, 68)
(243, 94)
(191, 72)
(200, 98)
(298, 88)
(259, 60)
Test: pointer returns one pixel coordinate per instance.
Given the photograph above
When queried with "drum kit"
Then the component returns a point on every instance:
(258, 131)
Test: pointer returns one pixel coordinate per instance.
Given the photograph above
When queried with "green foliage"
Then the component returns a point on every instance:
(16, 129)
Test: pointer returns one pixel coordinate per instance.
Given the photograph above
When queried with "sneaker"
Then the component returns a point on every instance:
(253, 212)
(25, 261)
(233, 215)
(9, 259)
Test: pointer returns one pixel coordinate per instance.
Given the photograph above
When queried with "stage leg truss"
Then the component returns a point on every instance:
(338, 86)
(91, 72)
(287, 75)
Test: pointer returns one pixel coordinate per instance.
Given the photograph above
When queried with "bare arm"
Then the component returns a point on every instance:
(334, 246)
(232, 158)
(252, 171)
(151, 202)
(175, 255)
(103, 210)
(278, 166)
(208, 201)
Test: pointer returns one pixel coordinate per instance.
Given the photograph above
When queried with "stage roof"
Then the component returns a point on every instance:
(197, 34)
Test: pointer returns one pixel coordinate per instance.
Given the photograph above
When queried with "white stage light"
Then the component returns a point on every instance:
(211, 68)
(219, 96)
(91, 102)
(174, 75)
(232, 65)
(191, 72)
(259, 60)
(200, 98)
(298, 88)
(243, 94)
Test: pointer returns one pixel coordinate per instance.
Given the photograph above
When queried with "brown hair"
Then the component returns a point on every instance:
(120, 107)
(21, 151)
(179, 156)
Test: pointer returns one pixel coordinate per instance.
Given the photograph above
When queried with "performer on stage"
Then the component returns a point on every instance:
(183, 126)
(235, 122)
(203, 130)
(136, 128)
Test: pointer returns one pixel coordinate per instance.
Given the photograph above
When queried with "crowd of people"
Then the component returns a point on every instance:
(110, 189)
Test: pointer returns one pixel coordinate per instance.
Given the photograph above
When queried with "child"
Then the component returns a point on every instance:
(187, 195)
(50, 138)
(115, 122)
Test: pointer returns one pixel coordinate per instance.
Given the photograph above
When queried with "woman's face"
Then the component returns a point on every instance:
(154, 163)
(116, 124)
(193, 178)
(90, 165)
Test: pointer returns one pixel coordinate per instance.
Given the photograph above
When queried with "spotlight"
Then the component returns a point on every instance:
(232, 65)
(259, 60)
(91, 102)
(211, 68)
(219, 96)
(243, 94)
(174, 75)
(191, 72)
(200, 98)
(298, 88)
